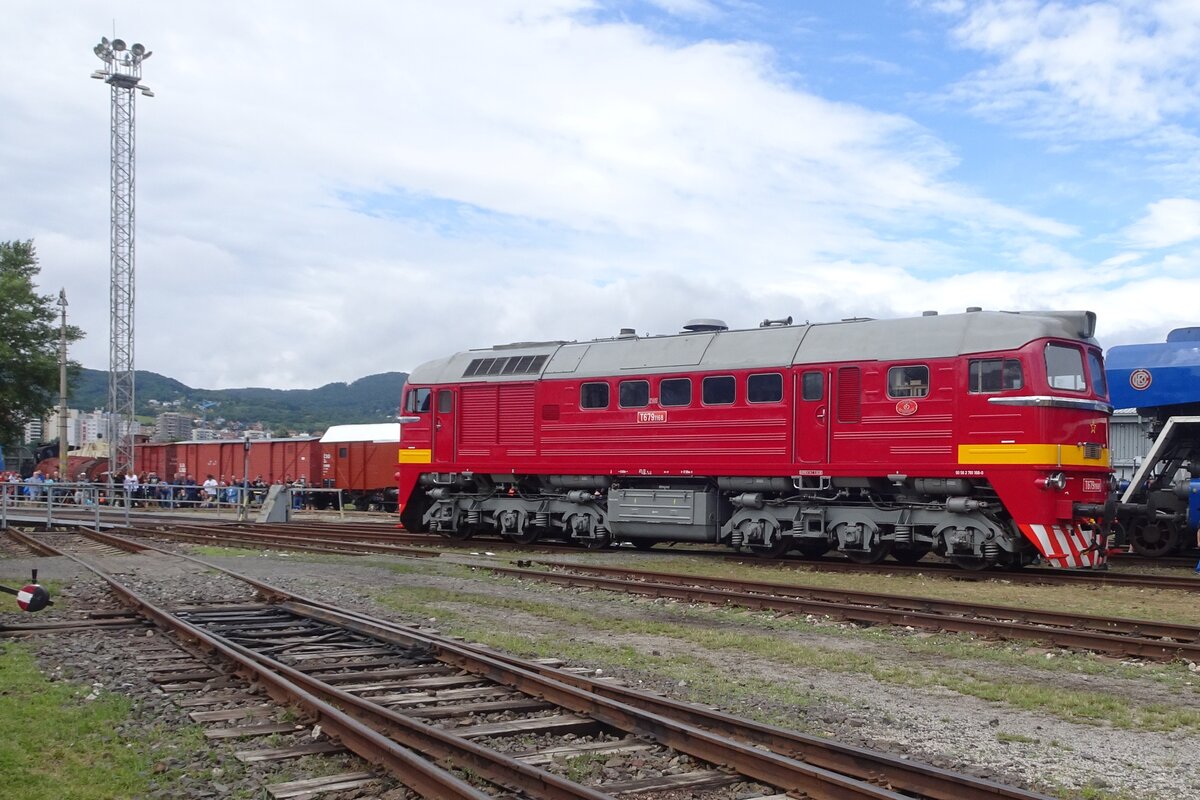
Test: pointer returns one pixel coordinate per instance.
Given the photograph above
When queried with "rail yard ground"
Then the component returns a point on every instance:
(1069, 724)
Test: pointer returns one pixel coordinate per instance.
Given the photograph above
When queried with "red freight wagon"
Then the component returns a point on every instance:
(272, 459)
(980, 436)
(361, 460)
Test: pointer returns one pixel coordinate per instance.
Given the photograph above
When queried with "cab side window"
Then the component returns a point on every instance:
(994, 375)
(417, 401)
(910, 381)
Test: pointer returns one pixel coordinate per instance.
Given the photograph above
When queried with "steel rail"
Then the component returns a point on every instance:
(1034, 616)
(295, 542)
(287, 685)
(859, 763)
(1034, 575)
(1106, 642)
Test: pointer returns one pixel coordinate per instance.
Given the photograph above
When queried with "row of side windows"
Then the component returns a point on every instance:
(984, 376)
(715, 390)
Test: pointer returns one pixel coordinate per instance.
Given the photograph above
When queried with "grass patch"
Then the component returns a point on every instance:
(57, 743)
(224, 552)
(756, 635)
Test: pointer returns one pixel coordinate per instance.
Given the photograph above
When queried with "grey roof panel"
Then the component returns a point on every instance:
(913, 338)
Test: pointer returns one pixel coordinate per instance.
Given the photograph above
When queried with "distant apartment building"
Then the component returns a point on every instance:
(33, 431)
(171, 426)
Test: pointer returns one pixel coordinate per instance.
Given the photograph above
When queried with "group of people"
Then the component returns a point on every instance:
(149, 491)
(212, 492)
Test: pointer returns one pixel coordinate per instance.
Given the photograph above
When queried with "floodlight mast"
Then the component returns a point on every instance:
(123, 72)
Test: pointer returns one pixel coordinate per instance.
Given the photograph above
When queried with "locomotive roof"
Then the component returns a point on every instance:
(912, 338)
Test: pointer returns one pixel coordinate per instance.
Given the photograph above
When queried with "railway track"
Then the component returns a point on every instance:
(421, 705)
(346, 535)
(1115, 635)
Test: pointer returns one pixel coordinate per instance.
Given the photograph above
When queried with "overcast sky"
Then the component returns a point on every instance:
(331, 190)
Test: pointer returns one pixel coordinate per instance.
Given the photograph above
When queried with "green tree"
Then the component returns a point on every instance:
(29, 337)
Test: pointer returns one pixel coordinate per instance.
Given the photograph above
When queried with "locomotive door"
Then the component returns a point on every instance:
(445, 428)
(812, 416)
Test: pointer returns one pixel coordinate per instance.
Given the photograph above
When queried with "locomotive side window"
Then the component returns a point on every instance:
(445, 399)
(417, 401)
(633, 394)
(1096, 367)
(995, 375)
(908, 381)
(675, 392)
(765, 388)
(1064, 368)
(593, 395)
(717, 390)
(813, 386)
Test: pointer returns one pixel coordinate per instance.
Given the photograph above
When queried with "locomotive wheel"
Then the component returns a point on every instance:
(1153, 539)
(911, 555)
(643, 544)
(460, 535)
(596, 543)
(873, 556)
(527, 536)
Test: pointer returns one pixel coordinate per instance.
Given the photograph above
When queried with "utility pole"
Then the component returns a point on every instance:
(123, 72)
(64, 474)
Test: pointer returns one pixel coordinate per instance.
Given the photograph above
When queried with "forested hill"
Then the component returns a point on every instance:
(374, 398)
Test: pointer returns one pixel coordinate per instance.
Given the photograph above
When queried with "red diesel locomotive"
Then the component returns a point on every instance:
(979, 436)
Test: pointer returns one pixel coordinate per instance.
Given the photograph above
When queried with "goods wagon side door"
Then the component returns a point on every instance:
(812, 415)
(445, 427)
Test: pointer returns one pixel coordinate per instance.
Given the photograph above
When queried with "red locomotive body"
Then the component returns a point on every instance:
(981, 436)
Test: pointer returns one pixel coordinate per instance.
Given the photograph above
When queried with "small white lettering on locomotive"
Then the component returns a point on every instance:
(651, 416)
(810, 472)
(969, 473)
(1093, 485)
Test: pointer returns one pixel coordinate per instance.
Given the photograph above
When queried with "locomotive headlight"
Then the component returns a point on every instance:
(1054, 482)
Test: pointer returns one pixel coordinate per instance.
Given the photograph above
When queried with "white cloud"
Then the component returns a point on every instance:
(1094, 70)
(1167, 223)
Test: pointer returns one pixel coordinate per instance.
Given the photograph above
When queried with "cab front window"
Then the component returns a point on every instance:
(1064, 368)
(1096, 367)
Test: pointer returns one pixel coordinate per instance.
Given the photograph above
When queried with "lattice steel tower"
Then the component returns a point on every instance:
(123, 72)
